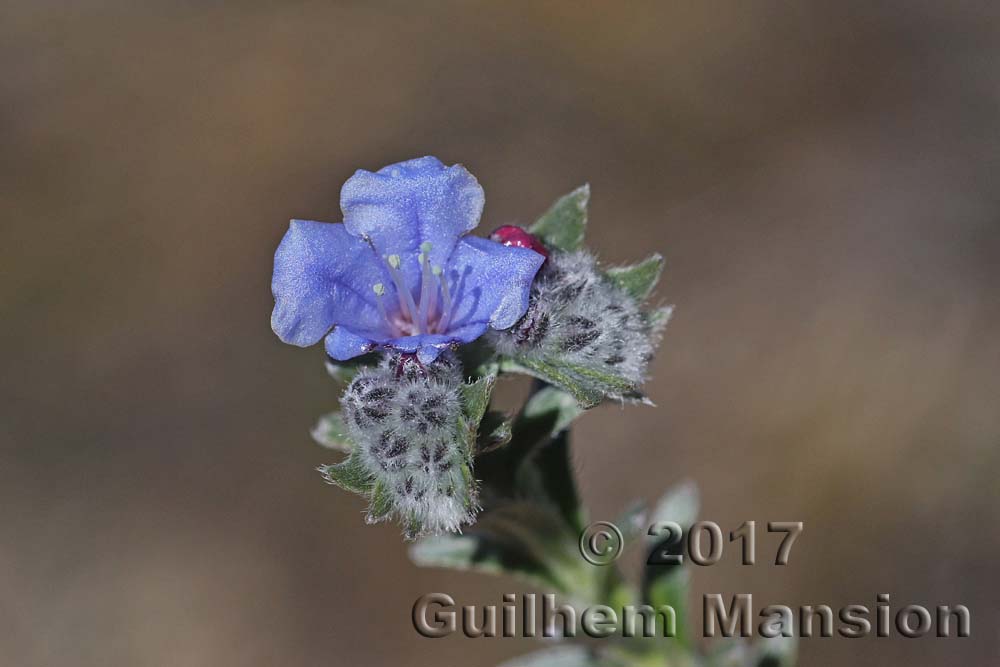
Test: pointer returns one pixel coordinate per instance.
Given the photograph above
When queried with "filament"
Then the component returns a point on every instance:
(379, 290)
(406, 303)
(445, 300)
(426, 286)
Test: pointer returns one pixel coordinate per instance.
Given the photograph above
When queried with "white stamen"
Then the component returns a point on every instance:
(379, 290)
(426, 286)
(406, 303)
(432, 299)
(445, 300)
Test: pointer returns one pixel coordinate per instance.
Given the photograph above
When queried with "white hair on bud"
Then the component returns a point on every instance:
(406, 418)
(578, 315)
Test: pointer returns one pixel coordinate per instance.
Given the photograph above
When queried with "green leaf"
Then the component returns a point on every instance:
(659, 317)
(588, 385)
(522, 539)
(562, 656)
(537, 463)
(467, 491)
(382, 505)
(633, 521)
(728, 652)
(476, 398)
(615, 654)
(776, 652)
(551, 406)
(547, 474)
(562, 227)
(549, 372)
(478, 358)
(522, 469)
(545, 470)
(669, 584)
(349, 474)
(671, 588)
(412, 527)
(638, 280)
(494, 432)
(679, 504)
(331, 432)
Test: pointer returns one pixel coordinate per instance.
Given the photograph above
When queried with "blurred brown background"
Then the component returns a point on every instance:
(821, 176)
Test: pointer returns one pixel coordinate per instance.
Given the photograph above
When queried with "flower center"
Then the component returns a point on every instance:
(423, 315)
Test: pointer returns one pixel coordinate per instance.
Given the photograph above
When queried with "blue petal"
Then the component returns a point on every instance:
(414, 343)
(429, 346)
(323, 276)
(490, 282)
(343, 344)
(428, 353)
(404, 205)
(467, 333)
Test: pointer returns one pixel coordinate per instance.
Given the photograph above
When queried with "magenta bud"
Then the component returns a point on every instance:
(513, 235)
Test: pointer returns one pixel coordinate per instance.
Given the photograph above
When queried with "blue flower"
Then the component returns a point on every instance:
(399, 272)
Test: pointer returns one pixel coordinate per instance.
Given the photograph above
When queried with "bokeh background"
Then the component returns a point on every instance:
(822, 178)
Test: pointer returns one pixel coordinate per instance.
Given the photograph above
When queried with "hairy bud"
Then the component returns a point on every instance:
(579, 318)
(405, 419)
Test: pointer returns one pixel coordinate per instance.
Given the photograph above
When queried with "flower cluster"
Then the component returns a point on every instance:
(402, 296)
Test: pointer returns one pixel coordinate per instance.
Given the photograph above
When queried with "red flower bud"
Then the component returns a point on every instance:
(513, 235)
